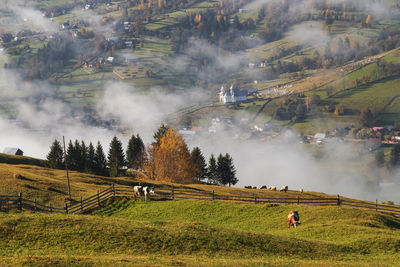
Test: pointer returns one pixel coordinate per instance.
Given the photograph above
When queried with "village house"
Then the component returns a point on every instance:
(13, 151)
(232, 95)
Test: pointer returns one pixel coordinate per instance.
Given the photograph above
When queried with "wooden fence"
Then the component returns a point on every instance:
(166, 192)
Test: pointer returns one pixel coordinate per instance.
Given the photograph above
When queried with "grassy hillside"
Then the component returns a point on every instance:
(11, 159)
(49, 186)
(200, 233)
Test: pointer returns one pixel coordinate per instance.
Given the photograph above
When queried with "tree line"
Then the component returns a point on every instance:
(167, 159)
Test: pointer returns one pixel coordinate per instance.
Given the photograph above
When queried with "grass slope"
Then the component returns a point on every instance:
(11, 159)
(49, 186)
(200, 233)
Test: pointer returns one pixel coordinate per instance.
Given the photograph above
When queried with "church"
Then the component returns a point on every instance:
(232, 95)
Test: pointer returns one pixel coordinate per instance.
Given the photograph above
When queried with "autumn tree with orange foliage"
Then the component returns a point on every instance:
(170, 161)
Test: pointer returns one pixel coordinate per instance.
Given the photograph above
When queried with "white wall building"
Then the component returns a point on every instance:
(232, 95)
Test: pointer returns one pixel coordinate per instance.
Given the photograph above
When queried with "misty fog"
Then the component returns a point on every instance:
(39, 118)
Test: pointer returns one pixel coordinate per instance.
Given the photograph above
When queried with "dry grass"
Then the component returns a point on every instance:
(49, 186)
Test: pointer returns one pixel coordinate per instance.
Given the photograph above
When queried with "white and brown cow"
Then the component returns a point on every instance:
(293, 218)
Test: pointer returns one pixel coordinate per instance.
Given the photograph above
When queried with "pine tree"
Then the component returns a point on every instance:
(135, 153)
(71, 157)
(212, 170)
(55, 157)
(100, 161)
(116, 157)
(226, 170)
(199, 165)
(161, 131)
(91, 159)
(83, 157)
(77, 156)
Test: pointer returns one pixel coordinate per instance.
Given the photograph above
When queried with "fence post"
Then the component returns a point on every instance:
(173, 193)
(81, 204)
(213, 195)
(113, 190)
(51, 209)
(376, 205)
(98, 198)
(298, 200)
(20, 200)
(338, 200)
(34, 204)
(255, 200)
(66, 207)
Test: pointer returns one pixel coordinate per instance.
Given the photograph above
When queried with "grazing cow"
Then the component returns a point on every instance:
(147, 191)
(301, 190)
(273, 188)
(263, 187)
(284, 188)
(248, 187)
(293, 218)
(138, 190)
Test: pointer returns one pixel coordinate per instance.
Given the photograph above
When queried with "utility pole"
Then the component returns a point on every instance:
(66, 168)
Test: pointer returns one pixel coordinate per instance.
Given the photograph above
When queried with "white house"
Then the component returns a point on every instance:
(232, 96)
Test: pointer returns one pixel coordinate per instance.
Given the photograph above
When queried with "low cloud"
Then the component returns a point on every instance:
(29, 17)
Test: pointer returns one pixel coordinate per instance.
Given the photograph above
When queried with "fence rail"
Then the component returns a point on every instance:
(166, 192)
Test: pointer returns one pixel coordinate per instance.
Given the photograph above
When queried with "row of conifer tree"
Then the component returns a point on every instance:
(91, 159)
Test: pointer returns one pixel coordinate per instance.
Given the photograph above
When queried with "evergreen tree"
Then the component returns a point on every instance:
(83, 157)
(135, 153)
(198, 164)
(116, 157)
(100, 161)
(91, 159)
(261, 13)
(77, 156)
(367, 118)
(301, 111)
(212, 170)
(395, 156)
(161, 131)
(71, 157)
(55, 157)
(226, 170)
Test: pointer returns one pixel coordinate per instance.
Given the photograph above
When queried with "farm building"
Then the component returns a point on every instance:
(232, 96)
(13, 151)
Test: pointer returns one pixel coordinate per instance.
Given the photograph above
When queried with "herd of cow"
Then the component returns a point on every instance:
(272, 188)
(293, 217)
